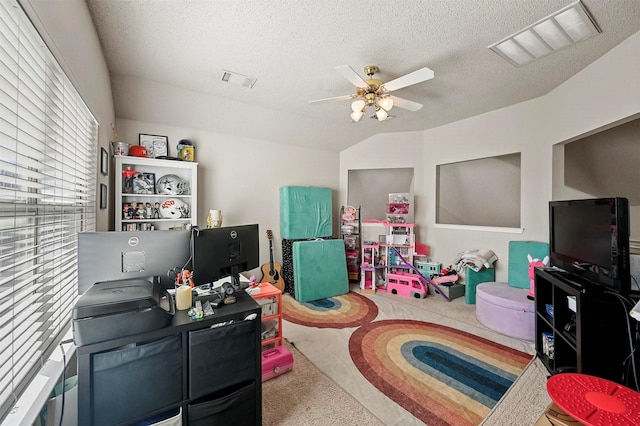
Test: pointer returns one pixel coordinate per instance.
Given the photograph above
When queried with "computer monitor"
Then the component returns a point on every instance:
(107, 256)
(224, 252)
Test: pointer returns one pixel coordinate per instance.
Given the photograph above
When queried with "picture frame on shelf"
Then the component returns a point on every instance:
(156, 145)
(103, 196)
(144, 183)
(104, 162)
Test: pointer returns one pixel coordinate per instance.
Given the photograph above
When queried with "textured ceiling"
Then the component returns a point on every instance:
(292, 47)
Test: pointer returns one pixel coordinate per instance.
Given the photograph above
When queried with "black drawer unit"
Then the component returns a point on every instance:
(209, 369)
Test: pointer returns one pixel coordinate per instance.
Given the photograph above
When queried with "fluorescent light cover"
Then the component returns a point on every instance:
(514, 52)
(557, 31)
(577, 24)
(532, 43)
(551, 33)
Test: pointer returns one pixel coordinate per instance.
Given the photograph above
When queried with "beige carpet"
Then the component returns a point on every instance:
(322, 391)
(306, 396)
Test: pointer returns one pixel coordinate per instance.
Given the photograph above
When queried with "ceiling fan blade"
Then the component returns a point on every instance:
(403, 103)
(418, 76)
(335, 98)
(347, 72)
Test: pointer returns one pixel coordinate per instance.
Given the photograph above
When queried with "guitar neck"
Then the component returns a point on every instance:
(271, 254)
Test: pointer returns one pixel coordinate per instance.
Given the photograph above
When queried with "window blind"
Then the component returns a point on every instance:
(48, 142)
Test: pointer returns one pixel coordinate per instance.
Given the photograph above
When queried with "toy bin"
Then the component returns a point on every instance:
(474, 278)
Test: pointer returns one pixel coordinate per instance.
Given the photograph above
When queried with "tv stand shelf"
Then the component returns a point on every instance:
(593, 339)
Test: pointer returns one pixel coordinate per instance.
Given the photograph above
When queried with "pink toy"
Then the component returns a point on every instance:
(275, 362)
(451, 278)
(533, 264)
(406, 284)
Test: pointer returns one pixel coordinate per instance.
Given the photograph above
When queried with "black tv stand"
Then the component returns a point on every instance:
(592, 340)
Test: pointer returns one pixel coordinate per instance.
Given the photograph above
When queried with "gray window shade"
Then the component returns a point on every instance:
(48, 141)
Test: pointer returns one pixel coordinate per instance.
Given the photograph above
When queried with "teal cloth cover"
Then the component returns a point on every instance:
(319, 269)
(305, 212)
(473, 278)
(519, 262)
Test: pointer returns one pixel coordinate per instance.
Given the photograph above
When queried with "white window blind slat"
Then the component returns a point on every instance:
(48, 141)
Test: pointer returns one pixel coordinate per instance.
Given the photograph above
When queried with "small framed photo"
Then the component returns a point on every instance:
(157, 145)
(103, 196)
(104, 161)
(144, 183)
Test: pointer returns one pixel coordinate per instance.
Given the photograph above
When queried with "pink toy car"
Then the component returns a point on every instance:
(405, 284)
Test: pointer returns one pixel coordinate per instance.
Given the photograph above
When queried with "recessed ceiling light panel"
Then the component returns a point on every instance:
(561, 29)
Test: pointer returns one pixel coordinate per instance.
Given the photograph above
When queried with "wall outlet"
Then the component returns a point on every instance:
(634, 261)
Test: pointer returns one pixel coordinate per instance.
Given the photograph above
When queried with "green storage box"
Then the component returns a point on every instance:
(451, 291)
(474, 278)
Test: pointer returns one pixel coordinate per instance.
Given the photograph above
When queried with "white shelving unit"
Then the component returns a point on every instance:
(177, 211)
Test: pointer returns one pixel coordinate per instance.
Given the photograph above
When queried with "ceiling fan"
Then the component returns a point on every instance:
(375, 93)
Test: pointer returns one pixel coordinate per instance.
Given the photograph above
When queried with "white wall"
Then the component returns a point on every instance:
(68, 30)
(242, 177)
(383, 151)
(604, 92)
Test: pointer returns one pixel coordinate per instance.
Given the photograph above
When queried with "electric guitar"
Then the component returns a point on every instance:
(272, 271)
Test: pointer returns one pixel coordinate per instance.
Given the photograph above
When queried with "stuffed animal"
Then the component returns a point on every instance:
(533, 264)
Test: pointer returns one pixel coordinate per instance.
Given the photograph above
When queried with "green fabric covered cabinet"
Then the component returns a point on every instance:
(474, 278)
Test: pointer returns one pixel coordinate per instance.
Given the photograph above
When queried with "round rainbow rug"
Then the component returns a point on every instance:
(346, 310)
(443, 376)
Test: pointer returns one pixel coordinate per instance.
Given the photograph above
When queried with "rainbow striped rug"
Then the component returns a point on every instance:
(407, 360)
(344, 311)
(443, 376)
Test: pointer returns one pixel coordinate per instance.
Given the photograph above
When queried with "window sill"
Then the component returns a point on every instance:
(504, 230)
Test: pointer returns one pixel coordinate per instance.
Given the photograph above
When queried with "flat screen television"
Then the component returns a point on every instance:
(590, 239)
(108, 256)
(224, 252)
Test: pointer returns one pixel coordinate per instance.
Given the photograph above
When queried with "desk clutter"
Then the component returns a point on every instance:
(153, 339)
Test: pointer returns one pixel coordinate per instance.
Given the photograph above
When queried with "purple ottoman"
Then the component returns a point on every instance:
(506, 310)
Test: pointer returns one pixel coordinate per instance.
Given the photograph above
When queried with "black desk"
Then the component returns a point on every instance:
(212, 374)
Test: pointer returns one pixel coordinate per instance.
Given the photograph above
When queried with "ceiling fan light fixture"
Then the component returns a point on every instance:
(357, 115)
(561, 29)
(381, 114)
(357, 105)
(386, 103)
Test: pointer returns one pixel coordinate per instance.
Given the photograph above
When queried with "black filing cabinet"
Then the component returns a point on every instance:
(209, 370)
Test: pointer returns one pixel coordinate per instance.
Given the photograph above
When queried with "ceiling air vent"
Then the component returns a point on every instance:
(239, 79)
(561, 29)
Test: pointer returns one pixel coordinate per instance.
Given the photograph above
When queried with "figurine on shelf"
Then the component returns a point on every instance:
(185, 210)
(140, 211)
(148, 210)
(125, 211)
(127, 185)
(133, 210)
(156, 211)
